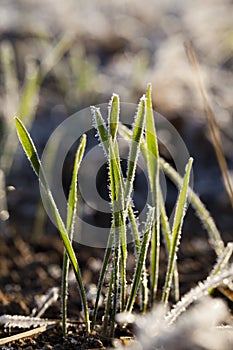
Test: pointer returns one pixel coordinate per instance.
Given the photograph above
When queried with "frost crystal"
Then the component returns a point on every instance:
(23, 321)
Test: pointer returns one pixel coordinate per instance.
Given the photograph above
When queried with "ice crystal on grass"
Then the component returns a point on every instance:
(23, 321)
(198, 292)
(197, 329)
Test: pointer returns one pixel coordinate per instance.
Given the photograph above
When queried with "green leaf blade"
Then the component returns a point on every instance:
(28, 146)
(135, 148)
(141, 260)
(152, 145)
(176, 230)
(113, 118)
(152, 158)
(72, 199)
(33, 157)
(101, 128)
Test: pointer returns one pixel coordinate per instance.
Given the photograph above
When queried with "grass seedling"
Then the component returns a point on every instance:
(70, 221)
(33, 157)
(121, 293)
(152, 157)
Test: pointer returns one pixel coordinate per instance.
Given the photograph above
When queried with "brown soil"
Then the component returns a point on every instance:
(29, 269)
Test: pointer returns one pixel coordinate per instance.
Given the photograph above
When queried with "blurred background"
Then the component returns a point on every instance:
(57, 57)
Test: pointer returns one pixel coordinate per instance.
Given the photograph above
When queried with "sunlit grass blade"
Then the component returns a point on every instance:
(152, 146)
(32, 155)
(152, 158)
(101, 128)
(167, 239)
(176, 230)
(135, 231)
(113, 123)
(71, 215)
(141, 260)
(200, 209)
(113, 120)
(137, 134)
(103, 134)
(30, 150)
(117, 201)
(72, 199)
(165, 223)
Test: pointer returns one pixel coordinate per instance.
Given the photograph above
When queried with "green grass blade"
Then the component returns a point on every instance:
(137, 134)
(104, 134)
(116, 186)
(72, 199)
(104, 141)
(114, 111)
(117, 200)
(101, 128)
(167, 239)
(120, 216)
(152, 147)
(135, 232)
(201, 211)
(152, 156)
(116, 194)
(32, 155)
(137, 247)
(71, 214)
(165, 224)
(141, 260)
(204, 215)
(115, 181)
(29, 149)
(176, 231)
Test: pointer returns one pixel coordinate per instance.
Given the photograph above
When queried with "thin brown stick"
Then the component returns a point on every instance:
(211, 121)
(26, 334)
